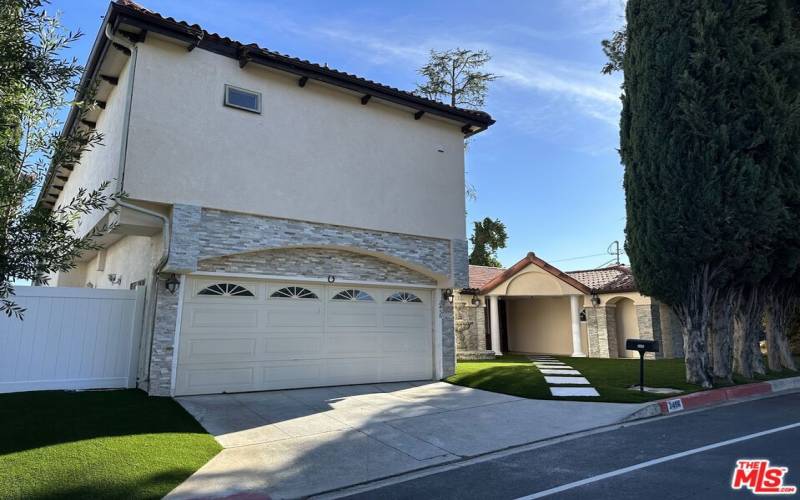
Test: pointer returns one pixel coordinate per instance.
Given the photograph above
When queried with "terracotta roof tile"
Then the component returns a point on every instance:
(480, 275)
(480, 116)
(531, 258)
(608, 279)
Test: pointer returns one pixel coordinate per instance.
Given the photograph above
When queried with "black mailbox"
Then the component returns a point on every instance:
(642, 346)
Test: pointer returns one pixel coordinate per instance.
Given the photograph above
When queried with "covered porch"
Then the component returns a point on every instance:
(535, 308)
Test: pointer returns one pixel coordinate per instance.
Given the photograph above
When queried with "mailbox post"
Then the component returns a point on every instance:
(641, 346)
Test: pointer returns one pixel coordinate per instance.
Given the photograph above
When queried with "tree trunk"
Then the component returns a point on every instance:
(741, 350)
(722, 341)
(697, 359)
(780, 303)
(695, 317)
(748, 315)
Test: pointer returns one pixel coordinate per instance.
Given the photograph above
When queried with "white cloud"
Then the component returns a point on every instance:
(591, 93)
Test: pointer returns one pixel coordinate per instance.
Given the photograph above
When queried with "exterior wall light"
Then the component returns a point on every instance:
(331, 278)
(595, 299)
(447, 294)
(172, 284)
(583, 314)
(476, 301)
(114, 278)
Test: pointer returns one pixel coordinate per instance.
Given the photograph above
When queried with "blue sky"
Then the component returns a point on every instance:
(548, 168)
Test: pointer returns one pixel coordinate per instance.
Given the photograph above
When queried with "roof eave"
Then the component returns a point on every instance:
(98, 48)
(531, 258)
(477, 121)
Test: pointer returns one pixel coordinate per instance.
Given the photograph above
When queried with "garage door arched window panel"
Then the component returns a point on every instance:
(226, 290)
(294, 292)
(353, 295)
(404, 297)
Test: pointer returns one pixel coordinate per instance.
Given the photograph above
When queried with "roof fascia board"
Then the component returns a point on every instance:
(190, 36)
(96, 56)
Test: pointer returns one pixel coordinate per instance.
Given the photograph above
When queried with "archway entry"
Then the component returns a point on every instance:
(627, 325)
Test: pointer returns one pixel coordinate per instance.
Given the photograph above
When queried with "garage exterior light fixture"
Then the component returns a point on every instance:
(476, 301)
(595, 299)
(447, 294)
(172, 284)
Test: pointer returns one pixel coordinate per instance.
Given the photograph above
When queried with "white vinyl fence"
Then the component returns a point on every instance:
(71, 338)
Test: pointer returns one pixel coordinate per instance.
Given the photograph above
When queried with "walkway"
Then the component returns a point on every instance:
(562, 378)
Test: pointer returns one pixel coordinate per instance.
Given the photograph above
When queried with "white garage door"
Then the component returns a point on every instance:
(241, 335)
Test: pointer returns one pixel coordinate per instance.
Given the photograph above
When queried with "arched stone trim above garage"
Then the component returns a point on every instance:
(204, 233)
(315, 263)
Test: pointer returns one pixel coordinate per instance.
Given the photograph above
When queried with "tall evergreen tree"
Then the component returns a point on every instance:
(705, 88)
(488, 236)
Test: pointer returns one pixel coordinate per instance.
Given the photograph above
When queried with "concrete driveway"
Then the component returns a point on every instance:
(289, 444)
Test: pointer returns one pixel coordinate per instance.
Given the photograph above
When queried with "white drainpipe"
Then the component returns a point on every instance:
(150, 309)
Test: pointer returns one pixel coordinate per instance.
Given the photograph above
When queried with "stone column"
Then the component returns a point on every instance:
(575, 316)
(602, 330)
(448, 337)
(163, 343)
(649, 318)
(494, 327)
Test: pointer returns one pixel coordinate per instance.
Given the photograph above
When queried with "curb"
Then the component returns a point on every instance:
(714, 397)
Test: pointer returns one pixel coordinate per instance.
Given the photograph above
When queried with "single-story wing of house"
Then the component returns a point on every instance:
(533, 307)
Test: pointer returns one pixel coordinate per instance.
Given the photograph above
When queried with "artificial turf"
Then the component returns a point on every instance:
(97, 444)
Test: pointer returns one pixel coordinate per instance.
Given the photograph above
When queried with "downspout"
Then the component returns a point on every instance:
(150, 314)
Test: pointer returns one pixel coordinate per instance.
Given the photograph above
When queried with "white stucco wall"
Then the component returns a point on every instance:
(315, 153)
(100, 163)
(132, 257)
(627, 326)
(534, 281)
(74, 278)
(540, 325)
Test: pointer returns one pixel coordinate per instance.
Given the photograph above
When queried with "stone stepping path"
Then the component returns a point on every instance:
(564, 392)
(550, 371)
(553, 366)
(561, 376)
(566, 380)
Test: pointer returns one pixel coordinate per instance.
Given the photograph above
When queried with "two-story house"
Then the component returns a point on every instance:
(294, 225)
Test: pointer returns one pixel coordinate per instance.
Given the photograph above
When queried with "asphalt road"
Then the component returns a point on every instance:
(702, 474)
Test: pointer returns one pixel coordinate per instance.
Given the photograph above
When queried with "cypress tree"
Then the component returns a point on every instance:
(707, 173)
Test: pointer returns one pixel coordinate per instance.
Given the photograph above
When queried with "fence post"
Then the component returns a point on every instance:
(136, 335)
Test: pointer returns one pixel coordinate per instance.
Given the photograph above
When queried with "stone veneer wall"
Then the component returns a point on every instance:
(317, 263)
(163, 343)
(602, 331)
(470, 329)
(649, 319)
(208, 239)
(672, 332)
(448, 338)
(206, 233)
(460, 264)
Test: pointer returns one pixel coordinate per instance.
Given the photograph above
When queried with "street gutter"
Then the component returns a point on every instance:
(715, 397)
(698, 401)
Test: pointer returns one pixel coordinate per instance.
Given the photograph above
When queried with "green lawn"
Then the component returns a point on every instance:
(517, 376)
(99, 444)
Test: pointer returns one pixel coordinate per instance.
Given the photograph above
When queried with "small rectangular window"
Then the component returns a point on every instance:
(242, 99)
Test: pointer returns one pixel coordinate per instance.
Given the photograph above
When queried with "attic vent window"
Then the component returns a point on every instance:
(242, 99)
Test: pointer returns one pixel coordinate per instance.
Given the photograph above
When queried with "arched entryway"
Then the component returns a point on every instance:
(627, 325)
